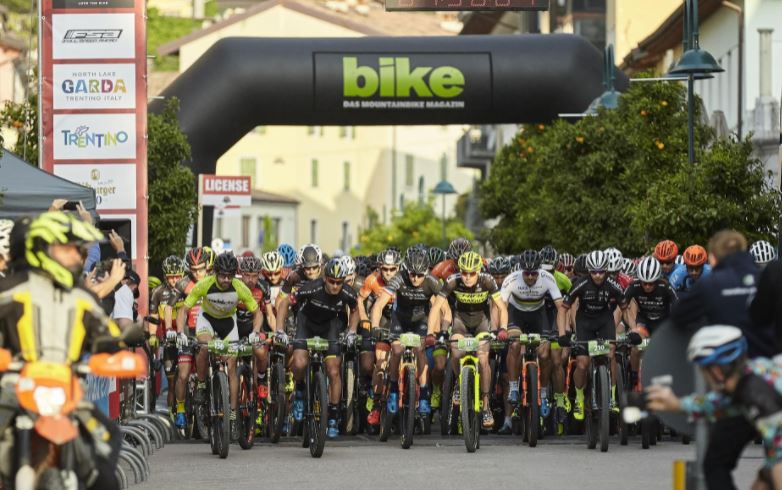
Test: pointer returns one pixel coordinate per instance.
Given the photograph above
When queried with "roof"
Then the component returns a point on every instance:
(669, 35)
(264, 196)
(374, 22)
(481, 22)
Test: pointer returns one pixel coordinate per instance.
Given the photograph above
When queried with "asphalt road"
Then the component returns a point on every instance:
(432, 462)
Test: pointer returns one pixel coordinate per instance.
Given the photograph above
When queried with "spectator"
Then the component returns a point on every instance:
(766, 308)
(93, 253)
(125, 310)
(6, 225)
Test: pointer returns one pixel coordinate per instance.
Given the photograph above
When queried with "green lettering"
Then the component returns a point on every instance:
(446, 82)
(352, 76)
(406, 79)
(386, 77)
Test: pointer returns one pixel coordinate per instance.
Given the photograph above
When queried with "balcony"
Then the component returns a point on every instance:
(477, 148)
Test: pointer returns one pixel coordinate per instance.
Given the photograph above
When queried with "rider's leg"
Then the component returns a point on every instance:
(333, 371)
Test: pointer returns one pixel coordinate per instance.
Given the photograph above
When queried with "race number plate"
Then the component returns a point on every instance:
(317, 344)
(598, 348)
(467, 344)
(410, 340)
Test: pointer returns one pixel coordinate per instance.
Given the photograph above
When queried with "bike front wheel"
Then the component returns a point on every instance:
(221, 420)
(409, 408)
(278, 402)
(470, 417)
(604, 386)
(318, 419)
(245, 418)
(532, 412)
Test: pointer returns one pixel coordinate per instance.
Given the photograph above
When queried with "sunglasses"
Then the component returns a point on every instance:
(598, 273)
(335, 282)
(225, 276)
(468, 274)
(313, 268)
(417, 275)
(174, 276)
(277, 273)
(530, 273)
(694, 269)
(389, 269)
(648, 284)
(568, 269)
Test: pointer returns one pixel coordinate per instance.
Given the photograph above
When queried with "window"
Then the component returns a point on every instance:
(313, 231)
(346, 176)
(245, 231)
(343, 131)
(261, 231)
(345, 242)
(444, 167)
(409, 168)
(322, 130)
(401, 202)
(353, 132)
(268, 231)
(218, 227)
(310, 130)
(314, 173)
(421, 196)
(247, 168)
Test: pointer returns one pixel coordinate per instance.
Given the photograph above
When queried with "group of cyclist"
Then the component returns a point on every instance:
(428, 291)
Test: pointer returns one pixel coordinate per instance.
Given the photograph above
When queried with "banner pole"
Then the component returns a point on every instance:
(200, 225)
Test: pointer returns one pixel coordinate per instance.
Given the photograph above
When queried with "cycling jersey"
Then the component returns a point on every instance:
(675, 270)
(594, 300)
(320, 307)
(471, 303)
(294, 279)
(445, 269)
(529, 298)
(373, 286)
(244, 318)
(654, 306)
(185, 286)
(219, 303)
(163, 296)
(412, 303)
(681, 280)
(563, 282)
(623, 280)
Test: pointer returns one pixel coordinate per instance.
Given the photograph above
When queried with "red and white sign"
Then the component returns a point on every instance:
(225, 191)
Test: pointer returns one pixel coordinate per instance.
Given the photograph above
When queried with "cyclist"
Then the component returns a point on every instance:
(308, 267)
(6, 225)
(350, 270)
(445, 268)
(472, 291)
(629, 268)
(649, 301)
(436, 255)
(373, 286)
(412, 292)
(695, 267)
(565, 265)
(596, 295)
(322, 303)
(615, 263)
(196, 262)
(220, 294)
(250, 272)
(525, 292)
(666, 252)
(274, 272)
(763, 253)
(288, 254)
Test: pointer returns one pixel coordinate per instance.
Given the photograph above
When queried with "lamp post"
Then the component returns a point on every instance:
(610, 97)
(444, 188)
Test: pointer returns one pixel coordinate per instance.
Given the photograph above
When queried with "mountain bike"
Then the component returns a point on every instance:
(470, 389)
(216, 409)
(498, 391)
(352, 399)
(277, 402)
(408, 388)
(530, 386)
(248, 400)
(598, 392)
(316, 404)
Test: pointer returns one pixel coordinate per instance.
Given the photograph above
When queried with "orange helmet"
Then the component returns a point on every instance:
(695, 256)
(666, 251)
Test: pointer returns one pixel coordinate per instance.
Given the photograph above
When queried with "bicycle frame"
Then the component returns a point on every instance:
(410, 342)
(469, 345)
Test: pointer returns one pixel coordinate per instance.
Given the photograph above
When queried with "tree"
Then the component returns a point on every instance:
(162, 29)
(22, 118)
(172, 188)
(622, 179)
(418, 223)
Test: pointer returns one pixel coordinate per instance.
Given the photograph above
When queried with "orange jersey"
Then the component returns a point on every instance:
(373, 286)
(445, 269)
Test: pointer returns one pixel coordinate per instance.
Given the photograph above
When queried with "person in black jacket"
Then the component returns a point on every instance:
(724, 298)
(766, 308)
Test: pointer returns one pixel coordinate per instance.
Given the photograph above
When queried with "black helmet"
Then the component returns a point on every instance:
(226, 263)
(458, 247)
(417, 261)
(310, 255)
(580, 267)
(499, 265)
(250, 264)
(335, 269)
(436, 255)
(363, 266)
(549, 256)
(389, 256)
(173, 266)
(529, 260)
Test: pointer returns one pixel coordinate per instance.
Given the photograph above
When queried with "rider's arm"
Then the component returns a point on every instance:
(433, 323)
(631, 313)
(270, 320)
(563, 314)
(168, 316)
(503, 310)
(377, 308)
(363, 294)
(353, 320)
(283, 303)
(181, 318)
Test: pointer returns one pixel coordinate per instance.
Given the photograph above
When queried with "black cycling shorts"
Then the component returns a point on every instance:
(399, 327)
(528, 321)
(595, 327)
(305, 329)
(649, 325)
(460, 328)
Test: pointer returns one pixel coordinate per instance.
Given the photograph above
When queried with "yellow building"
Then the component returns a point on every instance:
(335, 173)
(630, 21)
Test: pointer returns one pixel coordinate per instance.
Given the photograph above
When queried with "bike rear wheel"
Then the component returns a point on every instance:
(351, 413)
(604, 385)
(246, 413)
(446, 406)
(386, 418)
(319, 416)
(532, 412)
(278, 402)
(409, 408)
(470, 422)
(621, 399)
(221, 424)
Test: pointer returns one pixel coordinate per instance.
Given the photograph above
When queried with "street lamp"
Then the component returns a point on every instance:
(610, 97)
(444, 188)
(694, 62)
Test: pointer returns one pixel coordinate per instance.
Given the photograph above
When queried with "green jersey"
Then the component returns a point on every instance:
(219, 303)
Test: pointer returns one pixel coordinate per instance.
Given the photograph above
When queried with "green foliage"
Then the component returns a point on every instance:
(622, 179)
(172, 186)
(22, 118)
(162, 29)
(269, 242)
(418, 223)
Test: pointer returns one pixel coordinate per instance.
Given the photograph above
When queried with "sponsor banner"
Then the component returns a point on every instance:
(93, 36)
(92, 4)
(403, 82)
(94, 86)
(114, 184)
(94, 136)
(225, 191)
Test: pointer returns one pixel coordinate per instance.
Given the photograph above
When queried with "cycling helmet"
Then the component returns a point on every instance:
(57, 228)
(614, 259)
(716, 344)
(309, 255)
(6, 225)
(548, 257)
(194, 257)
(457, 248)
(596, 261)
(763, 252)
(417, 261)
(499, 266)
(694, 256)
(579, 267)
(363, 266)
(389, 257)
(628, 267)
(250, 264)
(349, 264)
(153, 282)
(436, 255)
(649, 269)
(226, 263)
(335, 269)
(272, 261)
(679, 260)
(470, 262)
(666, 251)
(530, 260)
(565, 260)
(210, 258)
(288, 254)
(173, 266)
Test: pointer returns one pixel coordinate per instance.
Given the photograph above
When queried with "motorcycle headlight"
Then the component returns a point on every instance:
(49, 400)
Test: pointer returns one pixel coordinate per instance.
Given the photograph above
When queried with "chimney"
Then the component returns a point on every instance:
(765, 62)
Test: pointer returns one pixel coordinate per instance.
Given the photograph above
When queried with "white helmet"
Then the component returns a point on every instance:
(628, 267)
(309, 255)
(348, 264)
(5, 237)
(716, 344)
(763, 252)
(679, 260)
(614, 259)
(596, 261)
(649, 269)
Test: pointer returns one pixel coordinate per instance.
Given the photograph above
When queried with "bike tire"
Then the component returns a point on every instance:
(278, 402)
(409, 408)
(245, 418)
(349, 385)
(621, 399)
(386, 419)
(591, 427)
(222, 422)
(446, 399)
(532, 412)
(604, 384)
(470, 428)
(646, 432)
(201, 415)
(320, 414)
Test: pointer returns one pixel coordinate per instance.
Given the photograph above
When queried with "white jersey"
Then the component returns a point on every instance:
(529, 298)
